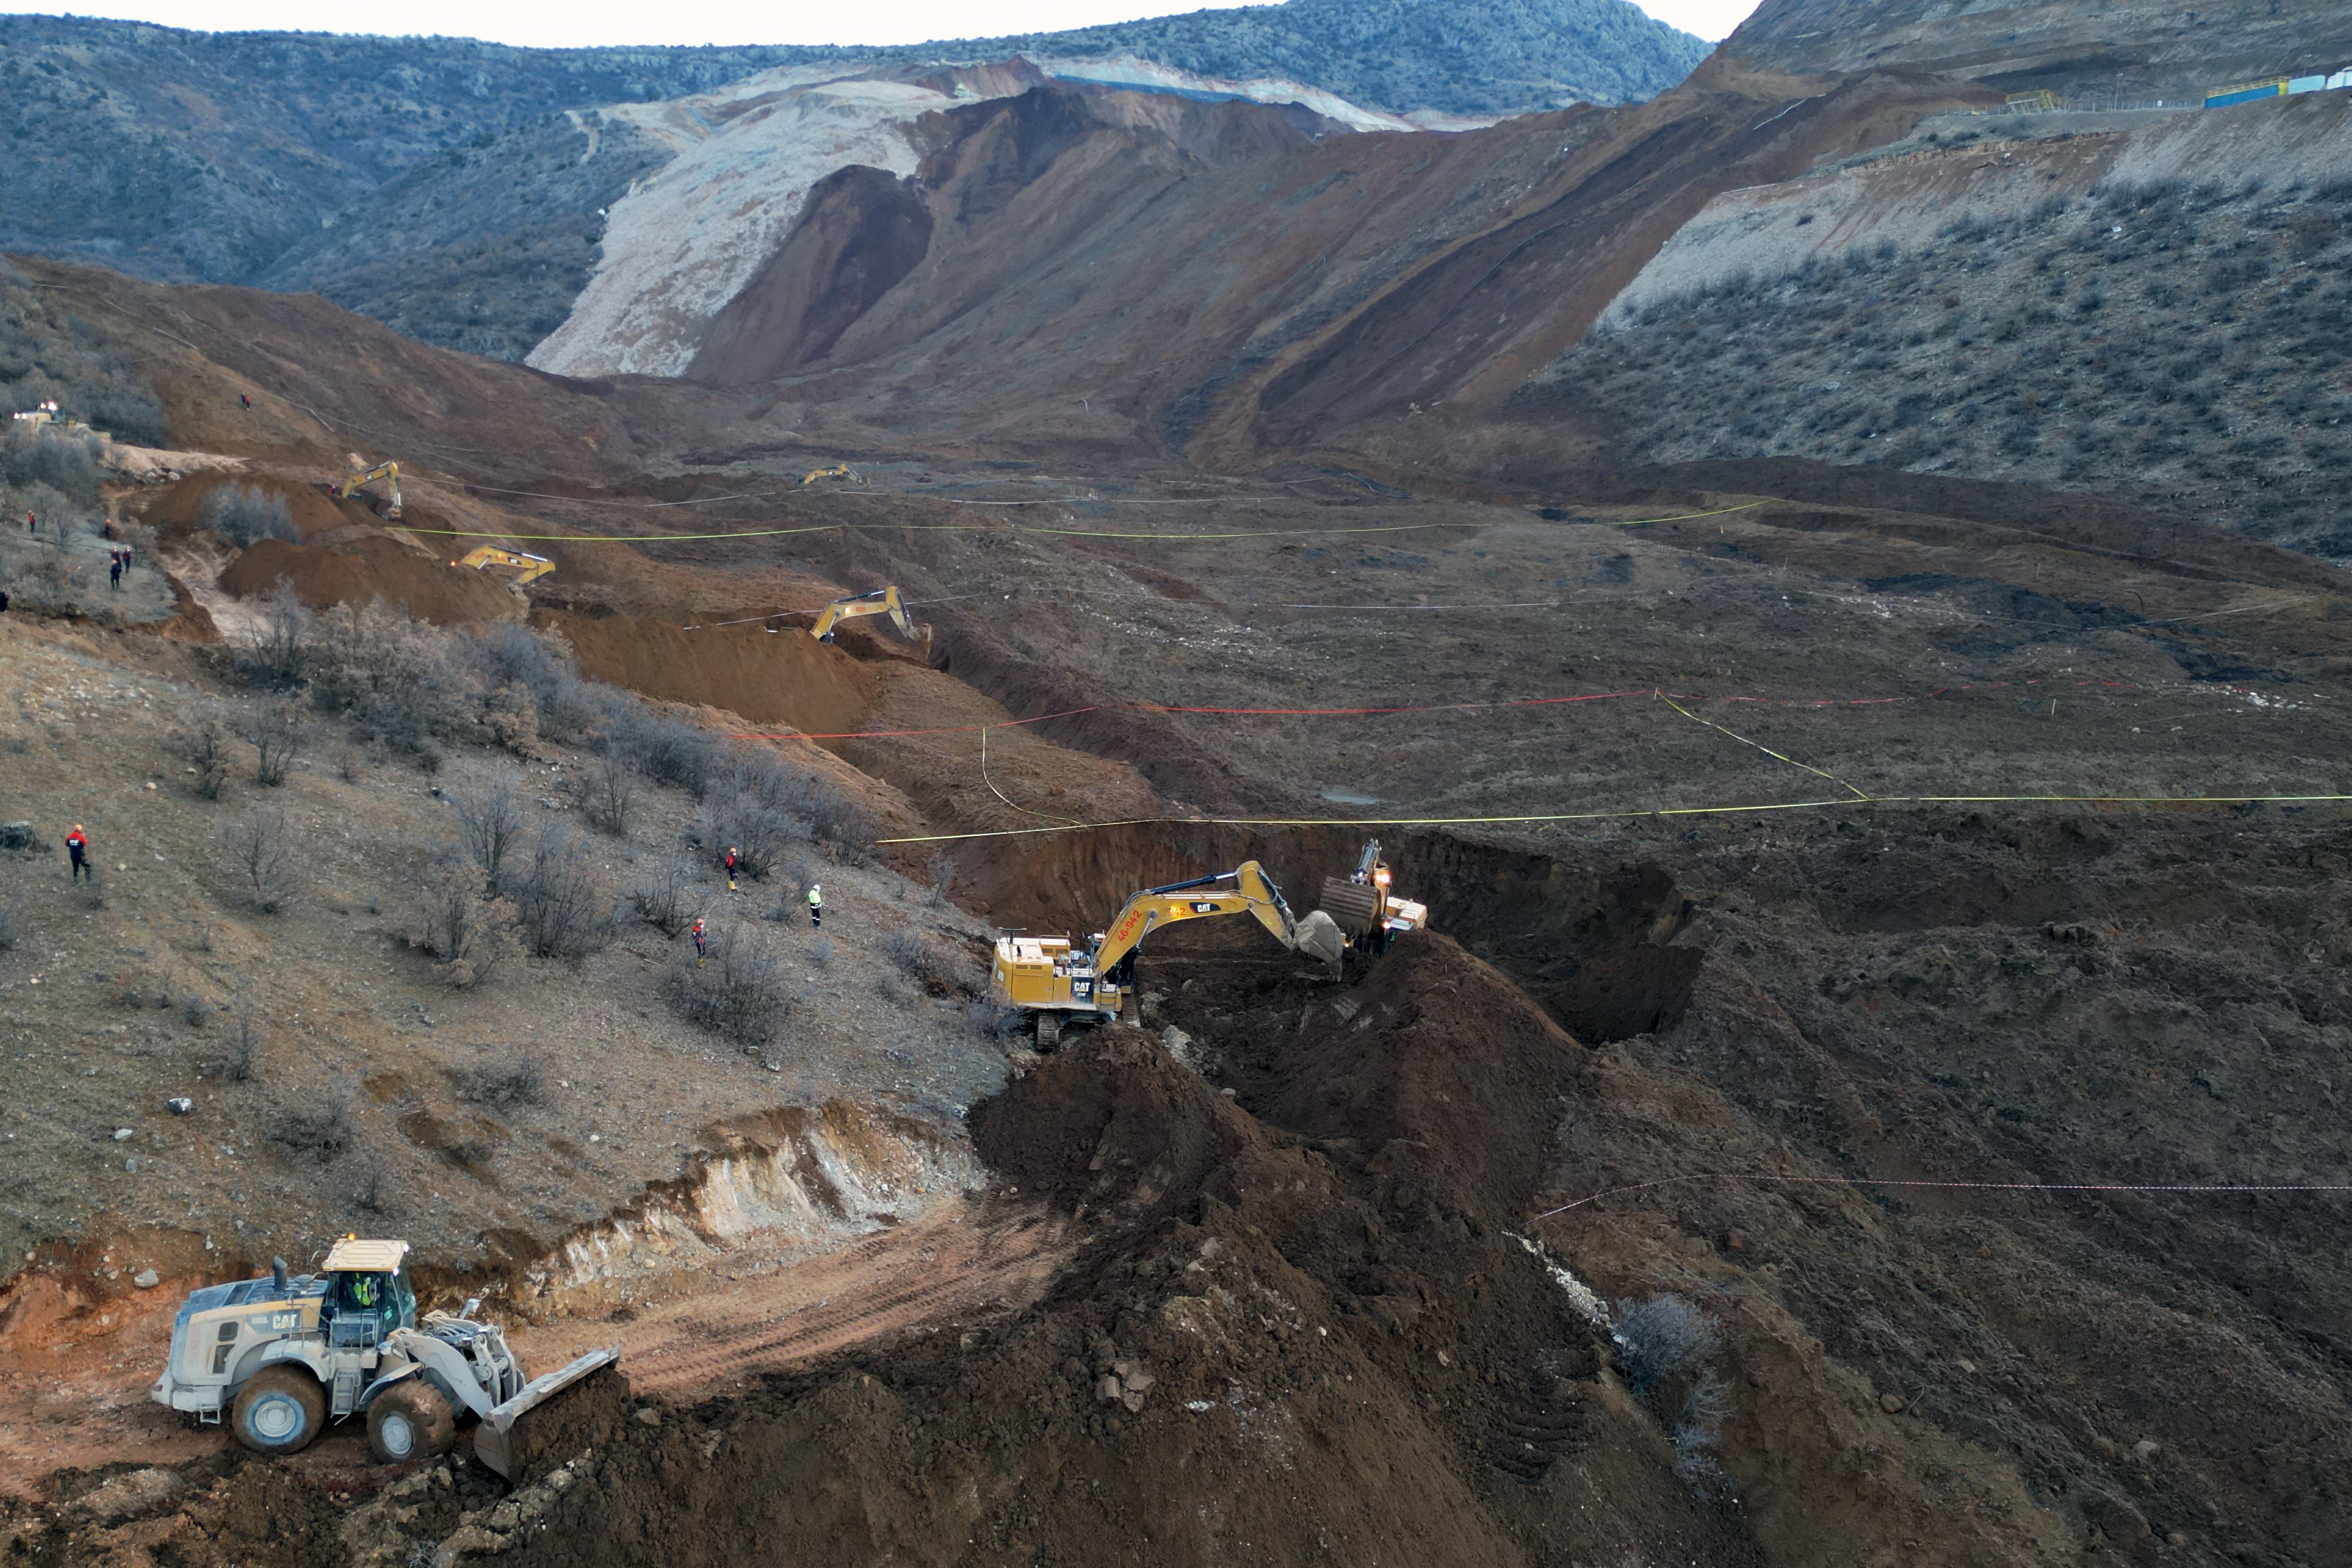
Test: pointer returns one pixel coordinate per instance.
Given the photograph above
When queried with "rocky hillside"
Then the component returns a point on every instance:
(1510, 57)
(2155, 49)
(2130, 312)
(253, 157)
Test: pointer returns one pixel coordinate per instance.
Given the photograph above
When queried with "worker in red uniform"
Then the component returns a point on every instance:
(77, 852)
(734, 858)
(699, 937)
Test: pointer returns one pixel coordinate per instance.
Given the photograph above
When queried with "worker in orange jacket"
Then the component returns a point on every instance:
(699, 937)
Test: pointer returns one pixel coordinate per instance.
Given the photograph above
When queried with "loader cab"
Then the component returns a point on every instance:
(368, 1293)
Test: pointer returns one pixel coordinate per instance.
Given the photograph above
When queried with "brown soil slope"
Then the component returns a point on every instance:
(1192, 264)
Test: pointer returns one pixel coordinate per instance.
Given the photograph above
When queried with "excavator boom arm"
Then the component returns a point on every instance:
(881, 601)
(1251, 892)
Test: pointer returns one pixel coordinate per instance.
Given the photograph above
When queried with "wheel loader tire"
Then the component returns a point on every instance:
(1049, 1033)
(410, 1421)
(280, 1410)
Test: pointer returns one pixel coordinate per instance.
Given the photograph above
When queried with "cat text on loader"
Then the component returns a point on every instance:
(1057, 983)
(1366, 908)
(880, 602)
(279, 1357)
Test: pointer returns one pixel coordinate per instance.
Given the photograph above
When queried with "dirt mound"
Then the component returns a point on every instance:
(1438, 1076)
(1113, 1117)
(181, 504)
(370, 569)
(770, 678)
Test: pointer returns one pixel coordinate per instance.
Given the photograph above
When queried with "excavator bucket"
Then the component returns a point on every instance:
(1317, 936)
(507, 1448)
(1356, 906)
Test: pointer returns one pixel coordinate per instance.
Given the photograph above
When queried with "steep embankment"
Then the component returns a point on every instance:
(1217, 274)
(2172, 50)
(2149, 311)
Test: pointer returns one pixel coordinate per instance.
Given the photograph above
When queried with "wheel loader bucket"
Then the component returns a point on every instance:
(494, 1439)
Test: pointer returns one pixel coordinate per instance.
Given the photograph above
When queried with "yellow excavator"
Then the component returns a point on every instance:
(1057, 983)
(533, 567)
(388, 472)
(880, 602)
(841, 471)
(1366, 909)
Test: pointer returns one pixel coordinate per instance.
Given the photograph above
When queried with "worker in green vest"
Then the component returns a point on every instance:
(816, 904)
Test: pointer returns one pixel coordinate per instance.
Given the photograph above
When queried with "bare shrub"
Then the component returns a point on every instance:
(467, 931)
(275, 732)
(280, 654)
(928, 962)
(7, 929)
(663, 899)
(1664, 1347)
(236, 1052)
(195, 1009)
(1661, 1341)
(511, 714)
(759, 834)
(203, 743)
(563, 902)
(396, 678)
(943, 874)
(737, 991)
(244, 514)
(259, 848)
(519, 1083)
(538, 663)
(668, 751)
(319, 1133)
(489, 822)
(606, 795)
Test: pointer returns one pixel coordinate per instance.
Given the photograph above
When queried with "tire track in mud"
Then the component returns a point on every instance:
(904, 1277)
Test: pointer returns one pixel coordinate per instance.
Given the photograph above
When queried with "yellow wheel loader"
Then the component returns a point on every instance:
(533, 567)
(388, 472)
(880, 602)
(841, 471)
(1055, 983)
(280, 1357)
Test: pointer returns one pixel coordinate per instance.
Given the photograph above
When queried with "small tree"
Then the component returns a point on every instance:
(607, 796)
(463, 927)
(565, 905)
(244, 514)
(205, 743)
(736, 992)
(259, 849)
(662, 898)
(489, 822)
(279, 654)
(276, 731)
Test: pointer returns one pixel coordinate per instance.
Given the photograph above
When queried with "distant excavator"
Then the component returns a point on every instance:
(841, 471)
(880, 602)
(388, 472)
(533, 567)
(1057, 983)
(1371, 916)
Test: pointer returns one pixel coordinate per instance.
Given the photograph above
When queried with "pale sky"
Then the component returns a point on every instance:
(535, 22)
